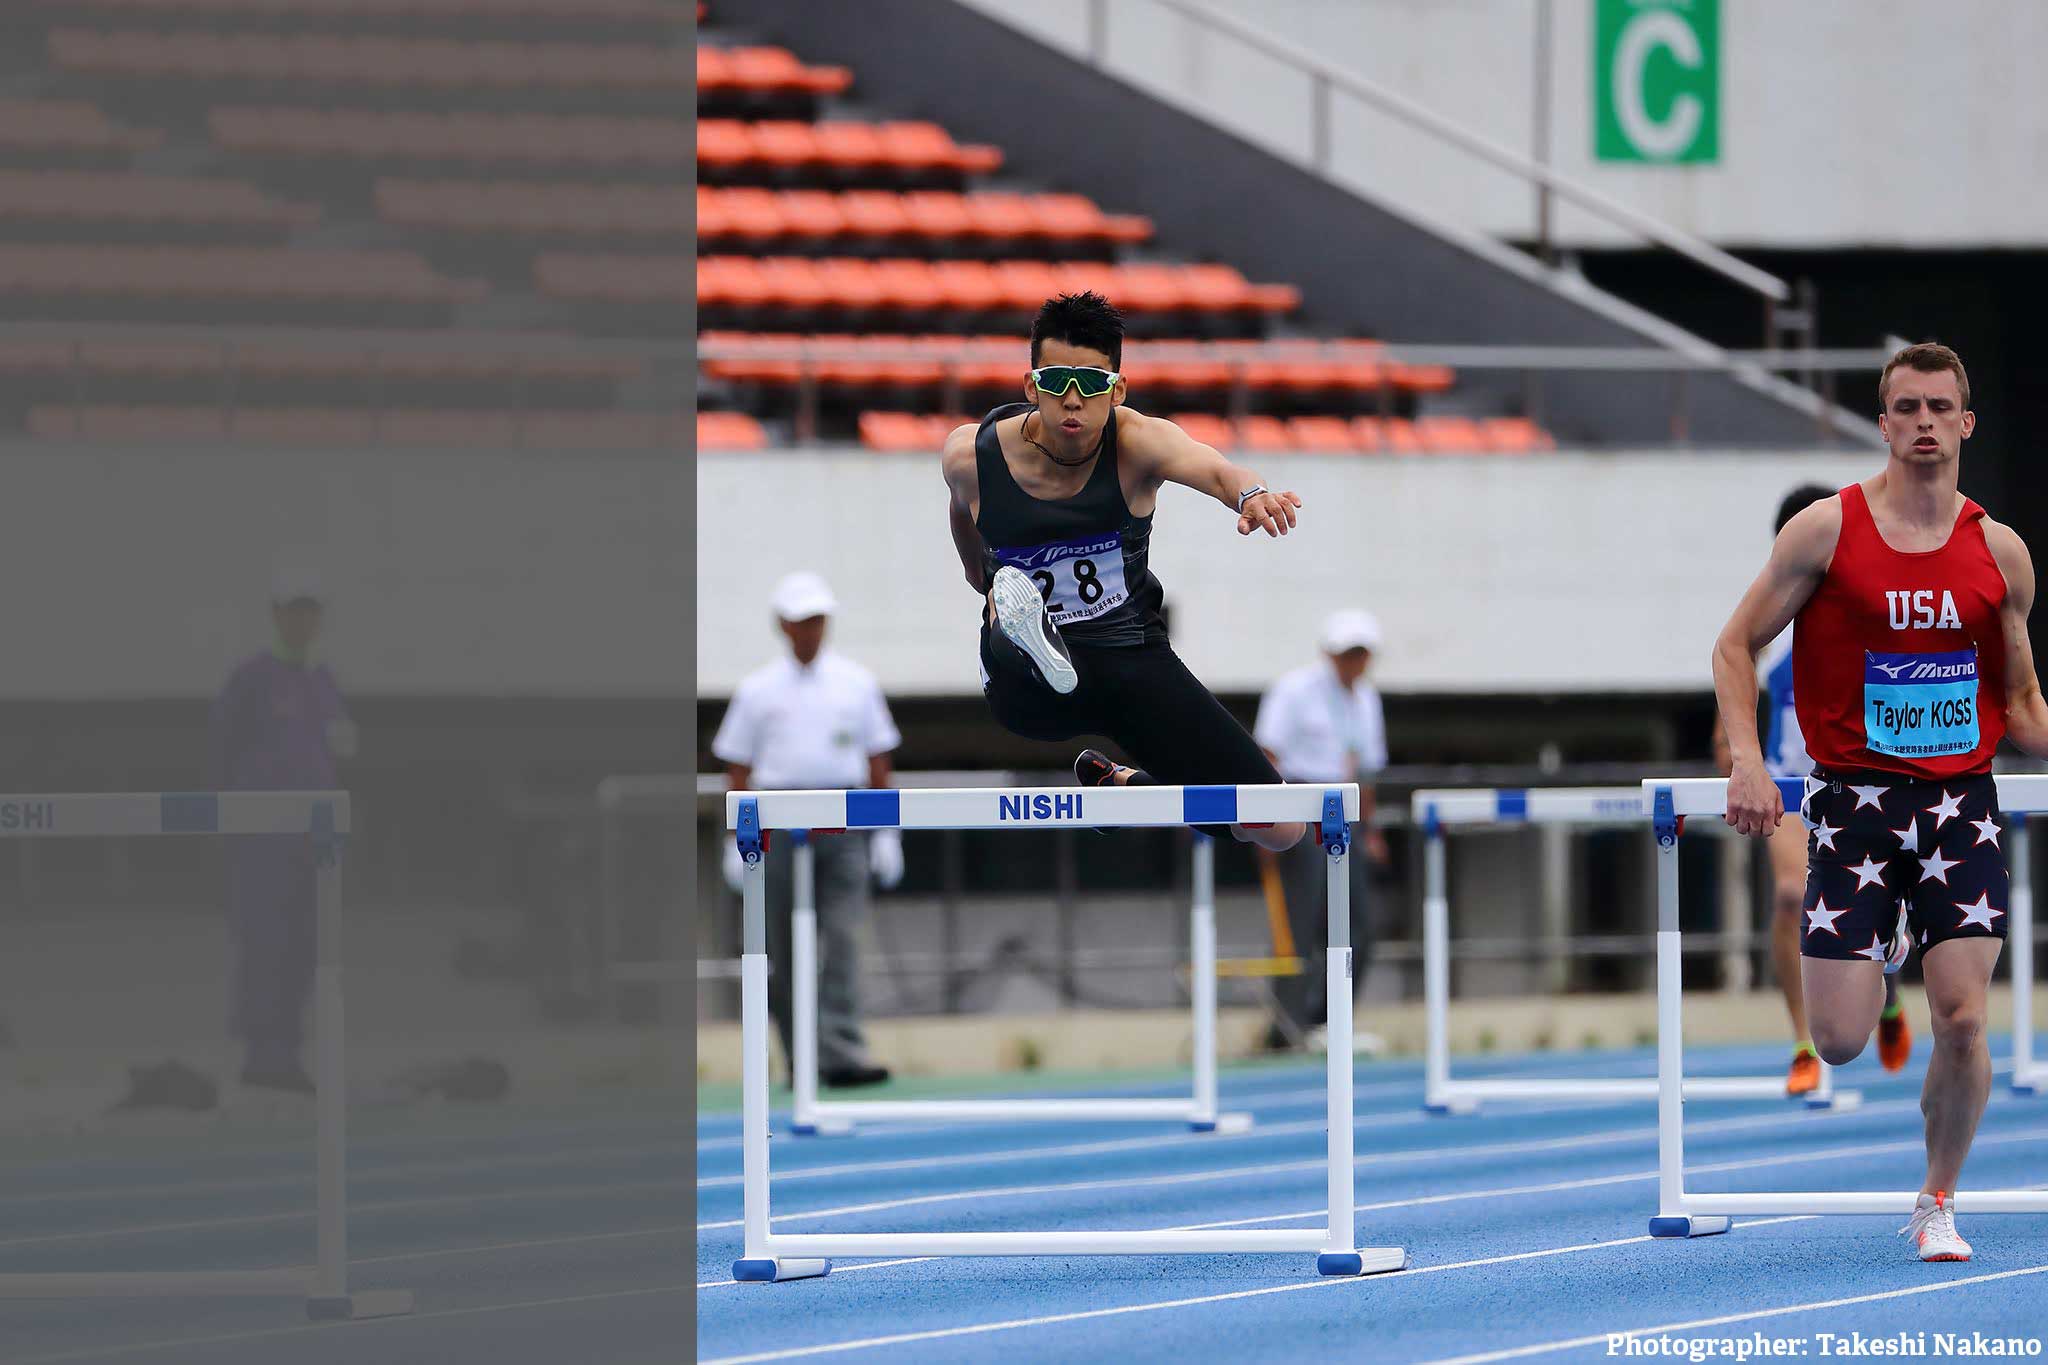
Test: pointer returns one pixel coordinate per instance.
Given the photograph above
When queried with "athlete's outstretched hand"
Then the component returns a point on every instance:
(1272, 511)
(1754, 802)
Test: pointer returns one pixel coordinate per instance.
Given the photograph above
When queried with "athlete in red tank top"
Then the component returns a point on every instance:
(1899, 655)
(1910, 662)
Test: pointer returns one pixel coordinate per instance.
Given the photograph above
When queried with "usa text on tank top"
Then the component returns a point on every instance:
(1898, 657)
(1088, 554)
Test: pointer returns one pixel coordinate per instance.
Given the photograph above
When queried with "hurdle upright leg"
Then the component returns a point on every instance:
(330, 1297)
(805, 1118)
(1436, 973)
(756, 1261)
(2029, 1077)
(1342, 1255)
(1671, 1220)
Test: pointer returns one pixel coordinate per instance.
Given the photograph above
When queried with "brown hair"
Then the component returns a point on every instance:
(1928, 357)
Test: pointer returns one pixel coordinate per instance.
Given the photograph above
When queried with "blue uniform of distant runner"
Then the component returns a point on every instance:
(1784, 745)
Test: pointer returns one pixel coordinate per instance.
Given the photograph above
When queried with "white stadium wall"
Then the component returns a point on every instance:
(1842, 122)
(1569, 572)
(506, 573)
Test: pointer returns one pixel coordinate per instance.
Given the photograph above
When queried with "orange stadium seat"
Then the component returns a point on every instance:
(68, 126)
(469, 137)
(1211, 431)
(1515, 435)
(729, 431)
(1322, 435)
(381, 62)
(1451, 435)
(254, 272)
(1264, 435)
(901, 431)
(103, 195)
(1386, 435)
(653, 10)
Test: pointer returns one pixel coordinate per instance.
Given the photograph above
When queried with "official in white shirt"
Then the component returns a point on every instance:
(815, 718)
(1324, 723)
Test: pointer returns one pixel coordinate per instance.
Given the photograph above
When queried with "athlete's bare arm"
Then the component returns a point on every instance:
(2026, 713)
(963, 488)
(1799, 559)
(1166, 454)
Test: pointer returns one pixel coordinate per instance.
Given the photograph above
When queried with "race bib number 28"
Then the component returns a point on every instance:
(1920, 705)
(1079, 579)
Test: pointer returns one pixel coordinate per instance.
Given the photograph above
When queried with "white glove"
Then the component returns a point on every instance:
(732, 865)
(885, 858)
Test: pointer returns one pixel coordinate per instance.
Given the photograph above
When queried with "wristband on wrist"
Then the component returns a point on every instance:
(1248, 495)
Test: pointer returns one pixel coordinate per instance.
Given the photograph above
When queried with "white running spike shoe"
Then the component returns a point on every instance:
(1022, 618)
(1933, 1230)
(1901, 946)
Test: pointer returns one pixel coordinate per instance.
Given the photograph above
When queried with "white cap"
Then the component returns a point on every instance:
(1350, 629)
(801, 596)
(295, 584)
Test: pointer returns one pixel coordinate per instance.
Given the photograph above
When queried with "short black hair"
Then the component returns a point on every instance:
(1085, 319)
(1798, 500)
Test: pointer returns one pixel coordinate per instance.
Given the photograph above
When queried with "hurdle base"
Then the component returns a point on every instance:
(2033, 1081)
(1689, 1225)
(765, 1269)
(1458, 1106)
(1222, 1123)
(821, 1128)
(1365, 1261)
(364, 1303)
(1841, 1101)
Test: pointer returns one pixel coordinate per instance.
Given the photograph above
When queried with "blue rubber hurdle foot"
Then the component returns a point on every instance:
(765, 1268)
(1222, 1123)
(1456, 1107)
(1842, 1101)
(1689, 1225)
(1371, 1261)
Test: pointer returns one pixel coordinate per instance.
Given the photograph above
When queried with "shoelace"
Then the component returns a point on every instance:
(1939, 1219)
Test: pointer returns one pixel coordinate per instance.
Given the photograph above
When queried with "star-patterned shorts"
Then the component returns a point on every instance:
(1876, 841)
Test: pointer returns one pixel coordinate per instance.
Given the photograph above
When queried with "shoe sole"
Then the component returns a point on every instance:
(1896, 957)
(1020, 615)
(1944, 1256)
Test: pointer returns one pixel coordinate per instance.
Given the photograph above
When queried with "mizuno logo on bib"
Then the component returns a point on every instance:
(1920, 705)
(1079, 579)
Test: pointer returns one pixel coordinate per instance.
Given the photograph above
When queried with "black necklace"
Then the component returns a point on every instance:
(1064, 464)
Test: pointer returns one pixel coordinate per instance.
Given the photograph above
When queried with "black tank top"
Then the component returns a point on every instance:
(1088, 554)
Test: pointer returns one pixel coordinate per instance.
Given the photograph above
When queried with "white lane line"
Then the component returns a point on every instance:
(1431, 1154)
(1590, 1182)
(1420, 1201)
(1566, 1143)
(979, 1328)
(1603, 1338)
(1396, 1119)
(259, 1334)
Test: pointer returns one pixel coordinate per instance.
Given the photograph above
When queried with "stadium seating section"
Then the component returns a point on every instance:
(337, 221)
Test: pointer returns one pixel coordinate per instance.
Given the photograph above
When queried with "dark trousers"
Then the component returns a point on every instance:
(1142, 697)
(840, 892)
(271, 918)
(1304, 876)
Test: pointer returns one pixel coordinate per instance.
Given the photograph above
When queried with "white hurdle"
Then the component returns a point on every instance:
(811, 1116)
(753, 816)
(1680, 1214)
(1436, 812)
(323, 818)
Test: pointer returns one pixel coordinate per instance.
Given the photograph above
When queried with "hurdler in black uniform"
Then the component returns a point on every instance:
(1077, 645)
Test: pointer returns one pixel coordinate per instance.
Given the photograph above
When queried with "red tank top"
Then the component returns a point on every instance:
(1898, 659)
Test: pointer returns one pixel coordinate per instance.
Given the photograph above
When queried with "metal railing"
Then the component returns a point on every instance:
(1327, 79)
